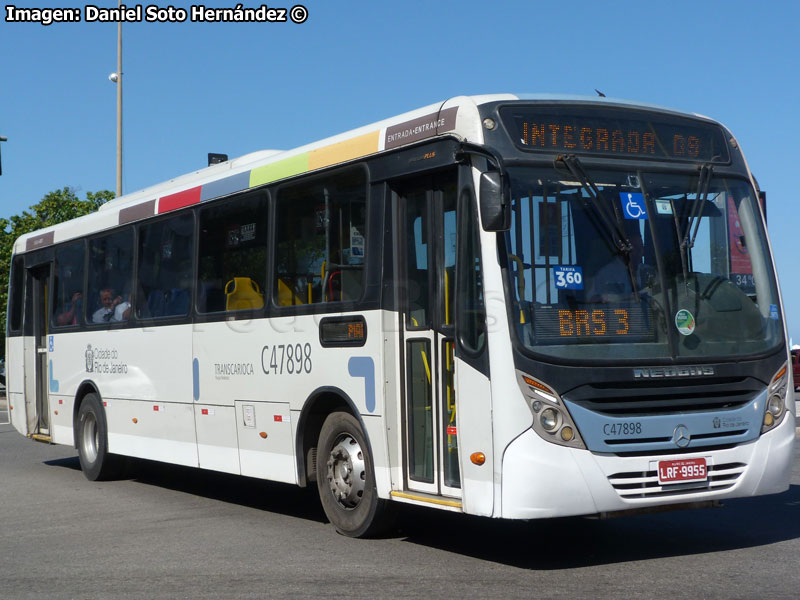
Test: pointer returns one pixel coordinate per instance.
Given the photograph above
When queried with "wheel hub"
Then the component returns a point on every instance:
(90, 440)
(346, 471)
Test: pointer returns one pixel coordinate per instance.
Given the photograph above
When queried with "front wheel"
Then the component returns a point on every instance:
(96, 462)
(346, 479)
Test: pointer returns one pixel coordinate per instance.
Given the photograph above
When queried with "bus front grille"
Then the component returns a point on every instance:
(667, 397)
(639, 485)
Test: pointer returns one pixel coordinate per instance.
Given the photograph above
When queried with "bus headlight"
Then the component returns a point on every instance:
(551, 419)
(776, 400)
(775, 405)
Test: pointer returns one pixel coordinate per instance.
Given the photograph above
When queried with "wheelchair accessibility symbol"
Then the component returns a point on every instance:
(633, 206)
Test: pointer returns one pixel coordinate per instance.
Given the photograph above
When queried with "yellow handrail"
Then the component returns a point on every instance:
(451, 400)
(446, 299)
(520, 283)
(424, 355)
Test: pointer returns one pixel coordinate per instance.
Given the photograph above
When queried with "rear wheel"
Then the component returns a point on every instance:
(96, 462)
(346, 479)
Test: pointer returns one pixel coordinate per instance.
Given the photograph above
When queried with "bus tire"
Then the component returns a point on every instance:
(346, 479)
(97, 463)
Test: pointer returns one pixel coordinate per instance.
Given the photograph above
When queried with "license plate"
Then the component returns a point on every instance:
(679, 471)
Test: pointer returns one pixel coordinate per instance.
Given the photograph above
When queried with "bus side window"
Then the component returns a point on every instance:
(417, 292)
(448, 258)
(164, 284)
(233, 255)
(470, 310)
(321, 234)
(15, 303)
(68, 286)
(110, 273)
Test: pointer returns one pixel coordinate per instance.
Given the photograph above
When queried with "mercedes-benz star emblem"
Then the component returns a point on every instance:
(681, 437)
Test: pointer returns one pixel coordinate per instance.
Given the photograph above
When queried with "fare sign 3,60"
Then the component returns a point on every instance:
(682, 470)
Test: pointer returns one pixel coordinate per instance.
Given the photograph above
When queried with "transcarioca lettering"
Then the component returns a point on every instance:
(233, 369)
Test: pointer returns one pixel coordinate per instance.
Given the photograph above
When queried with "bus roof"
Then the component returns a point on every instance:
(456, 116)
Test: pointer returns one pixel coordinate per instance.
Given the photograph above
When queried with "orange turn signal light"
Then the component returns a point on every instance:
(535, 384)
(263, 435)
(135, 421)
(477, 458)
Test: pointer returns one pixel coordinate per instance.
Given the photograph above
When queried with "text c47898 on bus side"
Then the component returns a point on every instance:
(286, 358)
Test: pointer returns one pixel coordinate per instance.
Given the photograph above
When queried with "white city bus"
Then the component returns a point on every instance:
(509, 306)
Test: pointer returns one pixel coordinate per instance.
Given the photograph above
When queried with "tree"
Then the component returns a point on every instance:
(55, 207)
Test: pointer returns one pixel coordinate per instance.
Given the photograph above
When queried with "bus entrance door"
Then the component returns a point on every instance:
(426, 261)
(39, 418)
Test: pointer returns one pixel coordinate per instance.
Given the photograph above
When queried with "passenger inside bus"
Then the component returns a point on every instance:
(108, 309)
(123, 310)
(69, 316)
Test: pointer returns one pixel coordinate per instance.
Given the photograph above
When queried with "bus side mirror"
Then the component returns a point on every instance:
(495, 213)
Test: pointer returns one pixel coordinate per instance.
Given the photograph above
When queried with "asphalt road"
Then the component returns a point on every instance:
(174, 532)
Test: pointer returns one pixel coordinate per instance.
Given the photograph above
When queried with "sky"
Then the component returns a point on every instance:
(193, 88)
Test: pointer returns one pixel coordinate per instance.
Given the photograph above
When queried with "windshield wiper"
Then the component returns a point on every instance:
(686, 240)
(614, 227)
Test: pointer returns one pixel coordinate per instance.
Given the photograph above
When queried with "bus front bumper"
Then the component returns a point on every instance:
(541, 480)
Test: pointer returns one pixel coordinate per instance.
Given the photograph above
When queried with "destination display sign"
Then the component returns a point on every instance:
(619, 323)
(613, 132)
(343, 331)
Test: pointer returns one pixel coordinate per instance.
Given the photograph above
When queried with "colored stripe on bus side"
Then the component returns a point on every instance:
(223, 187)
(137, 212)
(344, 151)
(317, 159)
(279, 170)
(179, 200)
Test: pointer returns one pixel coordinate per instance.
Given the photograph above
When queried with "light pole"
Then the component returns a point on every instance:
(2, 139)
(117, 78)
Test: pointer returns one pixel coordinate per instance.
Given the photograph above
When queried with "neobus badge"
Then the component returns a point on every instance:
(662, 372)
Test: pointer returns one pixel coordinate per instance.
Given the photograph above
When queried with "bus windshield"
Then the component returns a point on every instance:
(606, 265)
